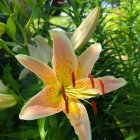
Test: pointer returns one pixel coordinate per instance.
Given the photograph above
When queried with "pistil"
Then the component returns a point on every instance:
(102, 86)
(67, 106)
(91, 80)
(73, 79)
(65, 98)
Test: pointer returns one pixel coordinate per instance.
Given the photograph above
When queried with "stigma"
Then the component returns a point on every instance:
(65, 98)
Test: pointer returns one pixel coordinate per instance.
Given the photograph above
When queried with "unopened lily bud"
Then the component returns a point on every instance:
(84, 31)
(3, 88)
(7, 101)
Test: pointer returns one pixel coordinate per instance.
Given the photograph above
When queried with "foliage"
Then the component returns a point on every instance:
(118, 31)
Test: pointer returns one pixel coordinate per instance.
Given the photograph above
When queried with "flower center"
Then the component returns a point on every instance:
(83, 93)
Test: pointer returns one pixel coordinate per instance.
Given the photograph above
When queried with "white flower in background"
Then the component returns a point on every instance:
(42, 52)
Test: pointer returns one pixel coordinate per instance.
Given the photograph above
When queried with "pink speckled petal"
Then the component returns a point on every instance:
(64, 59)
(79, 120)
(87, 60)
(43, 71)
(45, 103)
(110, 83)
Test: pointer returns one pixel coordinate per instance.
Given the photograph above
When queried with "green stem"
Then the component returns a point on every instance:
(8, 50)
(41, 125)
(35, 9)
(23, 33)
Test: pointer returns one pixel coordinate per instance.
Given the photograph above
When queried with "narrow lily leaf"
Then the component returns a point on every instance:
(9, 79)
(2, 28)
(11, 27)
(28, 134)
(85, 30)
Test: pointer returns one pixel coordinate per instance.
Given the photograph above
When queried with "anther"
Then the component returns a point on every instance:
(102, 86)
(73, 79)
(67, 106)
(63, 92)
(91, 80)
(93, 104)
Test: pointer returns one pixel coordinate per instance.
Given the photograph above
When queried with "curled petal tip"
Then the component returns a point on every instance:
(123, 81)
(20, 56)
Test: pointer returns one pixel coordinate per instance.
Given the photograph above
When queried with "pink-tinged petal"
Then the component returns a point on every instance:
(43, 71)
(109, 83)
(79, 119)
(45, 103)
(84, 83)
(87, 60)
(102, 84)
(43, 49)
(64, 59)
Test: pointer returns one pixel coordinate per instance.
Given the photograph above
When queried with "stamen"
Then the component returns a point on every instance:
(63, 92)
(91, 80)
(67, 106)
(73, 79)
(93, 104)
(102, 86)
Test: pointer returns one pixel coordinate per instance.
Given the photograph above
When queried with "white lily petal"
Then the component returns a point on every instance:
(43, 49)
(23, 73)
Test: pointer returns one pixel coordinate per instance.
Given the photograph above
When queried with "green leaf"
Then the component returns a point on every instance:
(8, 78)
(28, 134)
(11, 28)
(2, 28)
(132, 137)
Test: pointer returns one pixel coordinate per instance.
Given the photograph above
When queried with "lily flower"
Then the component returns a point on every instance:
(68, 81)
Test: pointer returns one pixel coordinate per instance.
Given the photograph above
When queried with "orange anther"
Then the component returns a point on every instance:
(73, 79)
(63, 92)
(91, 80)
(102, 86)
(94, 107)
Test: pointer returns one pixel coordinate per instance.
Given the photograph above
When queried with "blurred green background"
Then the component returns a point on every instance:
(118, 31)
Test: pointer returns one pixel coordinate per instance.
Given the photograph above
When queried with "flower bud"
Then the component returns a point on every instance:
(84, 31)
(7, 101)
